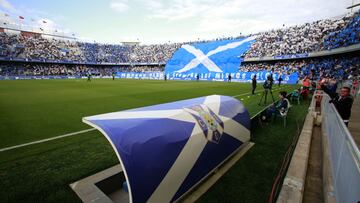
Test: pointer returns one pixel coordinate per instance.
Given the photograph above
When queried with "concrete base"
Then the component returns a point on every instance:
(106, 186)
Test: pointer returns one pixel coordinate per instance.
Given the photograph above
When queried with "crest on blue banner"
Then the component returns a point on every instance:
(209, 122)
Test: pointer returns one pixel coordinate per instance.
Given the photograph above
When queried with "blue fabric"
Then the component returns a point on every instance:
(228, 61)
(135, 139)
(211, 157)
(237, 76)
(148, 147)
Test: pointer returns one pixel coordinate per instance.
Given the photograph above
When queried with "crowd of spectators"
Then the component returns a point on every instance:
(337, 67)
(309, 37)
(36, 47)
(306, 38)
(25, 69)
(141, 69)
(347, 36)
(152, 53)
(278, 67)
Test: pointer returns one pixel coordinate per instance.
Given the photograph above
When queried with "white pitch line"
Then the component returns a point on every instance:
(81, 131)
(254, 92)
(46, 140)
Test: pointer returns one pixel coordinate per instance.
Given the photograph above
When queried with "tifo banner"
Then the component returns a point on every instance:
(236, 77)
(23, 77)
(211, 57)
(165, 150)
(135, 75)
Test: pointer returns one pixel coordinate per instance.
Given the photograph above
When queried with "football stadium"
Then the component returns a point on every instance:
(179, 101)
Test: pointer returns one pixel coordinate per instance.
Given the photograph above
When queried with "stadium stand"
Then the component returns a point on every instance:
(32, 54)
(310, 37)
(346, 36)
(299, 39)
(35, 47)
(24, 69)
(68, 57)
(340, 67)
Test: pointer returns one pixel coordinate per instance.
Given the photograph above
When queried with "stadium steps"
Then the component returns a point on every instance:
(314, 182)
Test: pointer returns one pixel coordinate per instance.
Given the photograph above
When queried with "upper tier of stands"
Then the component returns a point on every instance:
(310, 37)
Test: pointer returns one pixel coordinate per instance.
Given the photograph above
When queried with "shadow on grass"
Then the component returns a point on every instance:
(251, 178)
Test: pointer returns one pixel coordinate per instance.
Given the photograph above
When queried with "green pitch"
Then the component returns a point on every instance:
(32, 110)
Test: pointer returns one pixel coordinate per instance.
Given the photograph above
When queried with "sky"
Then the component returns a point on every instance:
(161, 21)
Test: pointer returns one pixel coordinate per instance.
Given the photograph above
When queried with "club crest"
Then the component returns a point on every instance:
(210, 123)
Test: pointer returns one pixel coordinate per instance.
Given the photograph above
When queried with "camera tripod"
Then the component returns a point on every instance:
(265, 93)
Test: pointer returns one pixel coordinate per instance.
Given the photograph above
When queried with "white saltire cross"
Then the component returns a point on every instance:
(201, 58)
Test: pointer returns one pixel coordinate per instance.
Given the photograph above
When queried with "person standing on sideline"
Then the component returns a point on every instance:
(343, 104)
(229, 78)
(355, 86)
(89, 77)
(306, 87)
(165, 77)
(198, 77)
(254, 83)
(113, 76)
(280, 80)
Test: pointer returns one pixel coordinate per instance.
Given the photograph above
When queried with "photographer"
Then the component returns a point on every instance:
(267, 89)
(268, 83)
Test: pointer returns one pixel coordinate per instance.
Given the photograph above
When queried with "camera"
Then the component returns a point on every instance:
(267, 88)
(268, 83)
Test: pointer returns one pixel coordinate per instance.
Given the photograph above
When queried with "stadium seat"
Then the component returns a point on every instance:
(283, 114)
(295, 96)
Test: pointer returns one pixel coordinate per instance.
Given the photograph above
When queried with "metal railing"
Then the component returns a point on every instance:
(344, 154)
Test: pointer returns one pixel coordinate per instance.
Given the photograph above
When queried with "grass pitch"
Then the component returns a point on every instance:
(31, 110)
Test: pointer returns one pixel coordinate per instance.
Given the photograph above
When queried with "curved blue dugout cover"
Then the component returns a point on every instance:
(167, 149)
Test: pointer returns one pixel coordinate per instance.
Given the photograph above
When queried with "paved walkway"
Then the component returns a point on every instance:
(354, 124)
(314, 175)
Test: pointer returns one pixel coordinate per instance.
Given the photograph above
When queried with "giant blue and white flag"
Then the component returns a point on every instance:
(167, 149)
(217, 57)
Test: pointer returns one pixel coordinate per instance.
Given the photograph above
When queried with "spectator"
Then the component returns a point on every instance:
(343, 104)
(278, 108)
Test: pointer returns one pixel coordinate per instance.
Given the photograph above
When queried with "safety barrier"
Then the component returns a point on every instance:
(341, 156)
(344, 156)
